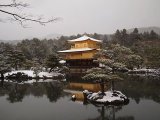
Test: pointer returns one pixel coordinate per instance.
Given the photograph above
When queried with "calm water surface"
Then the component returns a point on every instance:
(52, 101)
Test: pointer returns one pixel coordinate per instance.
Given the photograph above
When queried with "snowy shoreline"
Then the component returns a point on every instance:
(29, 76)
(31, 73)
(144, 71)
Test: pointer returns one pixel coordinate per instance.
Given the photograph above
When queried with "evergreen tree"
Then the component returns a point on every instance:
(4, 66)
(96, 36)
(118, 35)
(105, 41)
(124, 37)
(146, 36)
(133, 61)
(16, 59)
(134, 37)
(153, 35)
(135, 31)
(52, 61)
(114, 59)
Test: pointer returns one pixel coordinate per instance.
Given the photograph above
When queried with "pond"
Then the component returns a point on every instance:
(52, 101)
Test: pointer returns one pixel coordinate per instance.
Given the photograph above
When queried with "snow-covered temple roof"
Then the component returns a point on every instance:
(76, 50)
(83, 38)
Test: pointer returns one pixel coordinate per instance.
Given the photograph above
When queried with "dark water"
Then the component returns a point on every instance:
(50, 101)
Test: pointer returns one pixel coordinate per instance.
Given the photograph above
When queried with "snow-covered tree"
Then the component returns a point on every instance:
(4, 65)
(113, 60)
(102, 76)
(16, 59)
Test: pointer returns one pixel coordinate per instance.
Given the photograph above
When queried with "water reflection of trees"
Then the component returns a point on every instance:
(109, 113)
(138, 87)
(16, 92)
(53, 91)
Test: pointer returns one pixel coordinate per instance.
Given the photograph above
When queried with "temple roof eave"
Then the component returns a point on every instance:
(83, 38)
(77, 50)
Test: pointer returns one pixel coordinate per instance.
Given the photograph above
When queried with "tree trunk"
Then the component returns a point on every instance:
(102, 87)
(2, 78)
(113, 70)
(50, 70)
(112, 86)
(16, 66)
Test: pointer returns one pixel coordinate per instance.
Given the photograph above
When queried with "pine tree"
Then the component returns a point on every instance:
(124, 37)
(114, 60)
(153, 35)
(133, 38)
(52, 61)
(16, 59)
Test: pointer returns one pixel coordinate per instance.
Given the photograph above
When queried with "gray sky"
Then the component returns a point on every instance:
(80, 16)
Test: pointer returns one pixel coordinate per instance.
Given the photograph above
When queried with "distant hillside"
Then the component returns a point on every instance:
(52, 36)
(146, 29)
(14, 42)
(49, 36)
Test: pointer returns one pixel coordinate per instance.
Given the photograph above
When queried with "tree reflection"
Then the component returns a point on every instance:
(109, 113)
(16, 92)
(138, 87)
(53, 91)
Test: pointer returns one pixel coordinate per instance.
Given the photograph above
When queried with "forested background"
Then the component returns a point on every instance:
(35, 52)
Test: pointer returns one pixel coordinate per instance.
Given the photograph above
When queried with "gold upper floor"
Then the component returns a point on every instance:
(82, 48)
(85, 44)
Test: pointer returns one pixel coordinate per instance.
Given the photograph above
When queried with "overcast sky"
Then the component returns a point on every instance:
(80, 16)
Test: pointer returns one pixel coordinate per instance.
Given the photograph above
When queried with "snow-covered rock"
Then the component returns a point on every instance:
(62, 61)
(73, 97)
(109, 97)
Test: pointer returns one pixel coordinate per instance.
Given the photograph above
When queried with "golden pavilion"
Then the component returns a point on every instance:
(81, 52)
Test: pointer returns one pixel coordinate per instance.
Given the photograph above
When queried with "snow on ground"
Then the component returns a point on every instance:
(30, 73)
(39, 81)
(47, 80)
(47, 74)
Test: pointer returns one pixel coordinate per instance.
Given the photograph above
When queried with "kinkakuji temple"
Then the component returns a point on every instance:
(81, 54)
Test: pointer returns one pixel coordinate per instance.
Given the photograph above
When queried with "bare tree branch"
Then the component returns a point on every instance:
(23, 18)
(15, 4)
